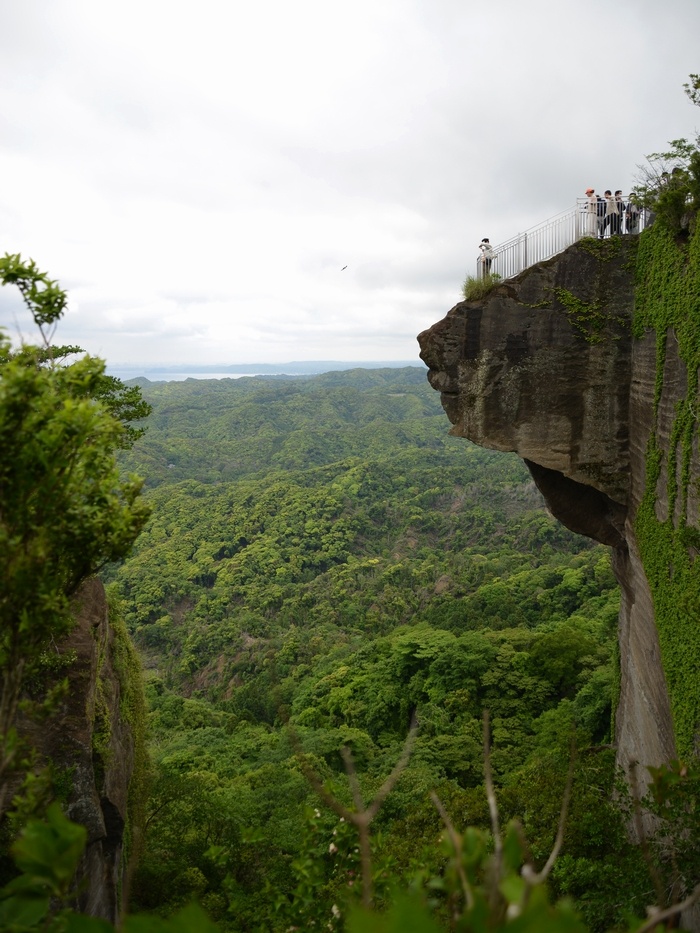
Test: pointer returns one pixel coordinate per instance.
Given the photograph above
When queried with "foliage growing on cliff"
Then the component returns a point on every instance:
(65, 510)
(132, 709)
(39, 899)
(667, 303)
(586, 317)
(669, 184)
(475, 288)
(668, 300)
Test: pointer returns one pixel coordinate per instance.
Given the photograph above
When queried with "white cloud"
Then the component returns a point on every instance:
(197, 175)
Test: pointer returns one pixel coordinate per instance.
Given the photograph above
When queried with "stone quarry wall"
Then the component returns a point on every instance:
(573, 366)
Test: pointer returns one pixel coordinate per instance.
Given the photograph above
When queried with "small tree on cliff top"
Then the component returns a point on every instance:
(64, 509)
(669, 184)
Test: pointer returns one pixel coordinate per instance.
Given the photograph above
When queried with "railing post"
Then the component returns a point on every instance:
(547, 239)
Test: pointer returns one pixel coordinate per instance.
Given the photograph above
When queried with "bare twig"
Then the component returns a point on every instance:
(349, 763)
(456, 841)
(317, 784)
(361, 821)
(660, 916)
(362, 816)
(398, 770)
(491, 794)
(495, 872)
(532, 877)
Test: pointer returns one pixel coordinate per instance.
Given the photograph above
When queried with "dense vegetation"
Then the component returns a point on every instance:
(284, 610)
(65, 511)
(329, 585)
(675, 262)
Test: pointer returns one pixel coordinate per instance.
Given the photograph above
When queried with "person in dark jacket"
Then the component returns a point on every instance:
(616, 226)
(610, 213)
(632, 217)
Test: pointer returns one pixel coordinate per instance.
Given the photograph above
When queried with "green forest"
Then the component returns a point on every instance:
(324, 563)
(329, 584)
(370, 681)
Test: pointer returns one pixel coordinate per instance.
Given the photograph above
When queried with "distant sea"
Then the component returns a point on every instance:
(156, 372)
(163, 376)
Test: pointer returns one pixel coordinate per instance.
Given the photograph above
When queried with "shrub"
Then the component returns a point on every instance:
(475, 288)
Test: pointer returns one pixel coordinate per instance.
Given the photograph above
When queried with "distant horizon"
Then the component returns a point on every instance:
(220, 363)
(303, 366)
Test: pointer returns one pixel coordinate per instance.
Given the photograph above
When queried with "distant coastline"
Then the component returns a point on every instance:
(172, 372)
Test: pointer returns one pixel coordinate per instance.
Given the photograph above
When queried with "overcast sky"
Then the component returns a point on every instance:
(197, 174)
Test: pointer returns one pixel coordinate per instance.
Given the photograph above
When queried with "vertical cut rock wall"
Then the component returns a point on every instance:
(545, 366)
(91, 745)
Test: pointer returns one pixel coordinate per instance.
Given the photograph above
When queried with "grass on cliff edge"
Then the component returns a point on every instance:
(475, 288)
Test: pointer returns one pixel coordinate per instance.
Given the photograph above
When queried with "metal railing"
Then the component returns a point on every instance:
(586, 218)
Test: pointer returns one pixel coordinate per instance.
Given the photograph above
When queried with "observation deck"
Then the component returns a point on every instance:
(559, 232)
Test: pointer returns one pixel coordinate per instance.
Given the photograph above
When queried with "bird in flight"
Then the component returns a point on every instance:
(343, 269)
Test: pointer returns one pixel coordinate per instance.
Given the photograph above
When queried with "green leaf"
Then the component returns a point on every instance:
(512, 887)
(473, 846)
(513, 854)
(22, 911)
(49, 851)
(407, 915)
(191, 919)
(79, 923)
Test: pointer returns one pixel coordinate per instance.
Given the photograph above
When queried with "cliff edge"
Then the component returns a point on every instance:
(94, 744)
(581, 366)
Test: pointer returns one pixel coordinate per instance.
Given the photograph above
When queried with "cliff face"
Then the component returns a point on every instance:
(91, 745)
(546, 366)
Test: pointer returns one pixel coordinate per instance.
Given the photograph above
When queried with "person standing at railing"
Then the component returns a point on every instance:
(616, 226)
(611, 214)
(632, 217)
(591, 213)
(602, 206)
(486, 258)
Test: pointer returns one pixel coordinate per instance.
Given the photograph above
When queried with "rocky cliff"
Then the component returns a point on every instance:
(93, 745)
(584, 367)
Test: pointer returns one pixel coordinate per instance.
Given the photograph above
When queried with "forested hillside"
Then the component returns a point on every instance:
(322, 564)
(378, 678)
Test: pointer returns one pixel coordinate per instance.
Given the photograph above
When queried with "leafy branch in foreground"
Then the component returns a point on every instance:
(47, 854)
(43, 297)
(499, 884)
(489, 881)
(65, 512)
